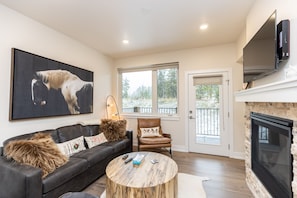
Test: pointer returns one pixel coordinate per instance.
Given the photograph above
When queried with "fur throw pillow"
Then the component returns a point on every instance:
(40, 151)
(113, 129)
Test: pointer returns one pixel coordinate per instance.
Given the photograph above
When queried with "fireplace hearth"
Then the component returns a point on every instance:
(271, 158)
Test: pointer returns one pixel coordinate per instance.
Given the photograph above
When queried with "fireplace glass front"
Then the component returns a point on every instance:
(271, 153)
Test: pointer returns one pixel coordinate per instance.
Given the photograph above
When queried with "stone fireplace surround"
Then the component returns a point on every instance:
(276, 99)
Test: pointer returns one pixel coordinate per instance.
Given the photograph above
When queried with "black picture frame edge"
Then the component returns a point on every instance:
(11, 84)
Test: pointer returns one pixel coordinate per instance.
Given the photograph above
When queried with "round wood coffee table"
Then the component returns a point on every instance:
(147, 180)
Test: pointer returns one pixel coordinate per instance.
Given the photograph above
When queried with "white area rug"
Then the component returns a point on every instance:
(189, 186)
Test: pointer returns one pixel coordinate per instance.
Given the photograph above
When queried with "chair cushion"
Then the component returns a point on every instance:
(155, 140)
(150, 132)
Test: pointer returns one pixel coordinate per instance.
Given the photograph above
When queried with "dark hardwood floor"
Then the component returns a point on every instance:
(227, 176)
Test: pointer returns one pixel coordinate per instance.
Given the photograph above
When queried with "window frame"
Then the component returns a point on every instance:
(153, 68)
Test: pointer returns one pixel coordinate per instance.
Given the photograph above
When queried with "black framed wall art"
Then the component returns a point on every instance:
(42, 87)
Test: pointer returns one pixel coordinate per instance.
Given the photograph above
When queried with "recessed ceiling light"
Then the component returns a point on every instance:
(203, 26)
(125, 41)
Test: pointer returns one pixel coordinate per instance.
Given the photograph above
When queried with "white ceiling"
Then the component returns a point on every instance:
(151, 26)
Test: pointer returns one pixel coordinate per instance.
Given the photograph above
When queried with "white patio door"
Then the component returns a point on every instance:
(208, 114)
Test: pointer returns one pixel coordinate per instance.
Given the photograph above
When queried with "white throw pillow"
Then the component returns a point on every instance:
(150, 132)
(72, 146)
(95, 140)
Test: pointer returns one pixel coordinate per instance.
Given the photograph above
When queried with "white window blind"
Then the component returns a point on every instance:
(208, 80)
(149, 67)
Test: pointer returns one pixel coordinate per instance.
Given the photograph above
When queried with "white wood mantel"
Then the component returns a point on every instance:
(282, 91)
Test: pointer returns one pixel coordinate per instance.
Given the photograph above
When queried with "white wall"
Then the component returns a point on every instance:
(259, 13)
(215, 57)
(241, 41)
(21, 32)
(18, 31)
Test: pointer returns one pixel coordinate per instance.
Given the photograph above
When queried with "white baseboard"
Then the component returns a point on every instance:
(183, 148)
(180, 148)
(237, 155)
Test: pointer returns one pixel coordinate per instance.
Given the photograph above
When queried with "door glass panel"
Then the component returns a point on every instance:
(208, 114)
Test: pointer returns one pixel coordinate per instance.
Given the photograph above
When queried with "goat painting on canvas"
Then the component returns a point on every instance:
(43, 87)
(72, 88)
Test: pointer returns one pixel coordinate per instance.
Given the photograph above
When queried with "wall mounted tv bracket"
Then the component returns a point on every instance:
(283, 40)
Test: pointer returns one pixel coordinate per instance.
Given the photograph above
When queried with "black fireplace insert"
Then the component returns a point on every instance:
(271, 153)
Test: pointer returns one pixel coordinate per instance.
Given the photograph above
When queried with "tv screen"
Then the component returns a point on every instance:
(260, 54)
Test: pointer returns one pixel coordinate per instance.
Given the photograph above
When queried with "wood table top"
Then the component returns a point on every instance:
(146, 174)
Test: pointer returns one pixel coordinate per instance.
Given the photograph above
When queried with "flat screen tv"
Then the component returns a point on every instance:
(260, 54)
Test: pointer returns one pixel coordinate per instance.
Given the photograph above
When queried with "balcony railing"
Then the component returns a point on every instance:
(161, 110)
(207, 121)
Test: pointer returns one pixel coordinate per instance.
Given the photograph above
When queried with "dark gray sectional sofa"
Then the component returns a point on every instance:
(83, 168)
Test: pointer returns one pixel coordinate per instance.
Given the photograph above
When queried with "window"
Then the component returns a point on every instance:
(150, 90)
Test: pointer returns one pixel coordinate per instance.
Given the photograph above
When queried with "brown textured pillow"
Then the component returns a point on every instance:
(113, 129)
(40, 151)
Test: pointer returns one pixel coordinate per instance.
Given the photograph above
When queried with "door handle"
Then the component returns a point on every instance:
(191, 117)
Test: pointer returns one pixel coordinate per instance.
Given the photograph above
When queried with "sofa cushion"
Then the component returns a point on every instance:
(67, 133)
(95, 154)
(73, 146)
(113, 129)
(52, 132)
(95, 140)
(118, 145)
(61, 175)
(40, 152)
(91, 130)
(77, 195)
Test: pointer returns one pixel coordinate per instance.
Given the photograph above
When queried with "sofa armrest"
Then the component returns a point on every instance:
(19, 180)
(130, 137)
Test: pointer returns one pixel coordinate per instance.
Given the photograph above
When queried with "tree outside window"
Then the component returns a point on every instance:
(150, 91)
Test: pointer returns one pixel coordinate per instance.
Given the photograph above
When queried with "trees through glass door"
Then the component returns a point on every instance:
(208, 113)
